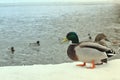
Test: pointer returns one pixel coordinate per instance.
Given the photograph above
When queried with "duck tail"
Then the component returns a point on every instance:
(110, 53)
(104, 60)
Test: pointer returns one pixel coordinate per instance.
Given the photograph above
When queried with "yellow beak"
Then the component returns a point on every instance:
(64, 40)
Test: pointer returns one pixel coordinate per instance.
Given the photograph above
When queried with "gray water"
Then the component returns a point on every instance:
(22, 26)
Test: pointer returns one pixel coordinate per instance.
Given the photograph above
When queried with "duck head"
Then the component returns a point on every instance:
(100, 37)
(38, 43)
(71, 36)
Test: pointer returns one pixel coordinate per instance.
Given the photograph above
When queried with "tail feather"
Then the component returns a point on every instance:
(110, 53)
(104, 60)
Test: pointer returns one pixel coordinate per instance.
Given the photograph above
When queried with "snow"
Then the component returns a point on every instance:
(64, 71)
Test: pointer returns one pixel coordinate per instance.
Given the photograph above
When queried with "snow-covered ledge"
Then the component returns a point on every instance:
(65, 71)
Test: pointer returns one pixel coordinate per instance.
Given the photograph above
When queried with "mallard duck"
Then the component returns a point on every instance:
(102, 39)
(35, 46)
(12, 50)
(86, 51)
(37, 43)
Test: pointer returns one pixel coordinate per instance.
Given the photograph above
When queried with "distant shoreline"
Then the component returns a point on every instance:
(53, 3)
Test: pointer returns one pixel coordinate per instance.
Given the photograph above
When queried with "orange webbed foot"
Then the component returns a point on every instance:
(84, 64)
(93, 65)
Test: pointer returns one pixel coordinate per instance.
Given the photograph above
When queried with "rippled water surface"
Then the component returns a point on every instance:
(22, 26)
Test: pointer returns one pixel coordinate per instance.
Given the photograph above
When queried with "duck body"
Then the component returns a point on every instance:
(12, 50)
(37, 43)
(86, 51)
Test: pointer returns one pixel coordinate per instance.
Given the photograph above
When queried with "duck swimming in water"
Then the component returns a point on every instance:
(37, 43)
(12, 50)
(86, 51)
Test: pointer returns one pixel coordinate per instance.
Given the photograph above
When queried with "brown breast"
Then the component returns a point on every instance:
(71, 53)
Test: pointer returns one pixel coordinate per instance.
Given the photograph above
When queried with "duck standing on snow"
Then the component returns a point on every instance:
(85, 51)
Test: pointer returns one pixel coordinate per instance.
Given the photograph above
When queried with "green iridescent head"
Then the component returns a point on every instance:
(73, 37)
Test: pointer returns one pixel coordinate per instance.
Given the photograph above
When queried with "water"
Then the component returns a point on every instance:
(21, 26)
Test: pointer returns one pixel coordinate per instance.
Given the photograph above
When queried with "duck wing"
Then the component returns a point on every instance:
(97, 46)
(94, 45)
